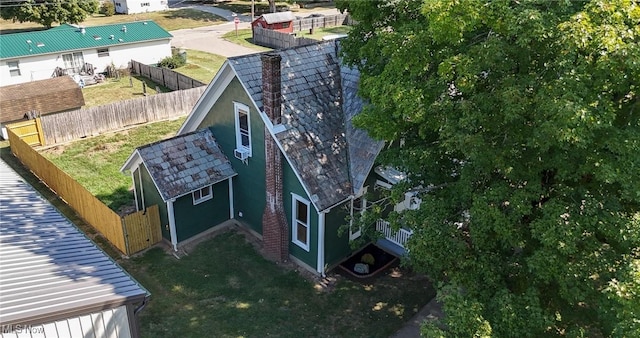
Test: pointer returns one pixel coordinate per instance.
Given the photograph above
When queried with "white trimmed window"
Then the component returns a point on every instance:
(14, 68)
(202, 195)
(102, 52)
(359, 205)
(300, 214)
(243, 128)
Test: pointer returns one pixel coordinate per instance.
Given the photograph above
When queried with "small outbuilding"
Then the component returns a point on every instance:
(54, 281)
(281, 22)
(190, 180)
(29, 99)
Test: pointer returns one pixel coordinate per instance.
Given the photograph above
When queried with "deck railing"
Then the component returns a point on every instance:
(399, 237)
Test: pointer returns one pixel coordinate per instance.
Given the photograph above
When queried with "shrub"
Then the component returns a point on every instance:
(107, 8)
(172, 62)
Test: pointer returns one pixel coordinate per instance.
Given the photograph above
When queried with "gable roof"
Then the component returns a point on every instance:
(329, 155)
(183, 164)
(49, 268)
(70, 37)
(271, 18)
(44, 96)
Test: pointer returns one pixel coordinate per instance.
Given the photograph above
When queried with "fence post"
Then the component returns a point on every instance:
(125, 235)
(40, 132)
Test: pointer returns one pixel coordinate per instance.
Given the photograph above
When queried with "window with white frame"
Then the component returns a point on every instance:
(14, 68)
(243, 127)
(202, 195)
(102, 52)
(359, 205)
(300, 214)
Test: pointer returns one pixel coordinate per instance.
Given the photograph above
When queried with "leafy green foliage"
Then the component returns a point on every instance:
(48, 12)
(524, 115)
(107, 8)
(172, 62)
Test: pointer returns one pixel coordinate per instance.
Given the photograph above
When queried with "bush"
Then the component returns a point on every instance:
(107, 8)
(172, 62)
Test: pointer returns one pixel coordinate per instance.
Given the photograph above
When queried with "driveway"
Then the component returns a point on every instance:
(209, 39)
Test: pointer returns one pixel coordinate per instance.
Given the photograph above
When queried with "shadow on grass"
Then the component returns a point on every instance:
(118, 199)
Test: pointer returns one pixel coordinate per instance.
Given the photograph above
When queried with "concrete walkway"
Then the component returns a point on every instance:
(411, 329)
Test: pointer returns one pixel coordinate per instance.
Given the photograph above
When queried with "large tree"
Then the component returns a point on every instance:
(523, 117)
(47, 12)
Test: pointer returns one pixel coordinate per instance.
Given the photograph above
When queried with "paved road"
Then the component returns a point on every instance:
(209, 39)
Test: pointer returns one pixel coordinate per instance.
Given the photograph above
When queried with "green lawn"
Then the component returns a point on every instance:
(201, 66)
(224, 288)
(113, 90)
(95, 162)
(170, 20)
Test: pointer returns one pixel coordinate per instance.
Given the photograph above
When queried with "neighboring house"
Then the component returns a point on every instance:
(69, 49)
(140, 6)
(21, 101)
(280, 21)
(284, 118)
(189, 178)
(55, 281)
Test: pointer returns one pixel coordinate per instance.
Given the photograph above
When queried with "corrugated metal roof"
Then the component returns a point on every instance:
(48, 266)
(69, 38)
(319, 99)
(271, 18)
(185, 163)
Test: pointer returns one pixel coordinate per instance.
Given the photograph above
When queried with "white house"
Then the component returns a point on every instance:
(140, 6)
(69, 49)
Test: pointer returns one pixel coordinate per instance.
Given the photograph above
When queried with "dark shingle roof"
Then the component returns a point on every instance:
(67, 38)
(49, 268)
(185, 163)
(319, 98)
(44, 96)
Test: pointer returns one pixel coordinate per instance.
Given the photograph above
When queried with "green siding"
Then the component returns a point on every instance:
(336, 246)
(249, 187)
(194, 219)
(292, 185)
(152, 197)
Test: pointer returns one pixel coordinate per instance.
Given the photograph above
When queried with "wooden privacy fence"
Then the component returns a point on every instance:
(322, 22)
(164, 76)
(126, 237)
(29, 131)
(142, 229)
(76, 124)
(274, 39)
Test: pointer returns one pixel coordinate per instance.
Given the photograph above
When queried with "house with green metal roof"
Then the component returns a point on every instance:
(70, 49)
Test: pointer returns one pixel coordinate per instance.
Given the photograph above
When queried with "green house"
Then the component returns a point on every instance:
(284, 120)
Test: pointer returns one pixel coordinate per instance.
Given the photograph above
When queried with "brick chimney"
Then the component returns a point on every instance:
(275, 231)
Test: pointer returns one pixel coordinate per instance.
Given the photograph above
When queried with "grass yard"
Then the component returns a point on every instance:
(244, 38)
(113, 90)
(169, 20)
(224, 288)
(201, 66)
(95, 162)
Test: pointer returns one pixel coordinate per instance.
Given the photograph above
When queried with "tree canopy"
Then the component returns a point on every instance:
(524, 117)
(47, 12)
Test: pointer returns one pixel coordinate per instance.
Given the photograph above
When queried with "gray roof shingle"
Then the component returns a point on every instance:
(49, 268)
(185, 163)
(319, 98)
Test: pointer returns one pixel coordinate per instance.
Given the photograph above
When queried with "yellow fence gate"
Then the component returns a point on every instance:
(142, 229)
(29, 131)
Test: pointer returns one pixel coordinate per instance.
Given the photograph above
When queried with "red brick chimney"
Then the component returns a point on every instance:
(275, 231)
